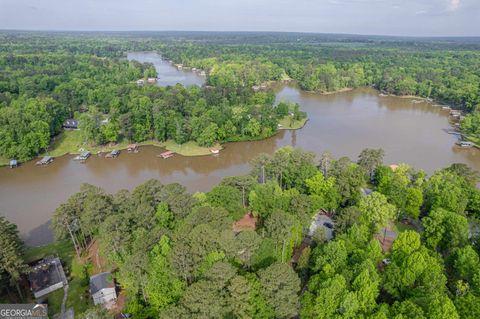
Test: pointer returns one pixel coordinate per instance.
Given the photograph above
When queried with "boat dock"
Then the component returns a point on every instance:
(45, 160)
(83, 156)
(132, 148)
(113, 154)
(465, 144)
(166, 155)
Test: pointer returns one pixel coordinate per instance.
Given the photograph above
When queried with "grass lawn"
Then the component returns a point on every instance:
(69, 142)
(190, 148)
(287, 123)
(78, 274)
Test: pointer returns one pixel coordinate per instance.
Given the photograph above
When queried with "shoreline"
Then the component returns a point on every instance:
(191, 148)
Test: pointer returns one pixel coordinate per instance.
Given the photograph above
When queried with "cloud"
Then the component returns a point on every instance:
(454, 5)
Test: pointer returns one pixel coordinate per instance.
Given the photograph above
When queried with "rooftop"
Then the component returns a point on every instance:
(101, 281)
(46, 273)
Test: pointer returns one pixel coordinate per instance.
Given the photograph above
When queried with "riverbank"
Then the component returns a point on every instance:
(71, 142)
(288, 124)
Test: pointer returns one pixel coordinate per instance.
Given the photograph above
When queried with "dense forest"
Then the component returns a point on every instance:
(178, 255)
(46, 78)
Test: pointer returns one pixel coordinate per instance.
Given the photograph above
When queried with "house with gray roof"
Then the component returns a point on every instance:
(102, 289)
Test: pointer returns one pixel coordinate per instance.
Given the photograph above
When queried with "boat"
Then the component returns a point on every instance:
(45, 160)
(465, 144)
(166, 155)
(214, 151)
(83, 156)
(113, 154)
(448, 108)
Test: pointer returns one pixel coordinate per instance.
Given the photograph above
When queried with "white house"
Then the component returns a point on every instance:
(102, 289)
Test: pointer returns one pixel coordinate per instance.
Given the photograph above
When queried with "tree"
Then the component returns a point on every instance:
(239, 298)
(413, 271)
(446, 190)
(445, 230)
(162, 288)
(286, 231)
(323, 191)
(370, 159)
(376, 211)
(264, 199)
(280, 286)
(228, 197)
(11, 252)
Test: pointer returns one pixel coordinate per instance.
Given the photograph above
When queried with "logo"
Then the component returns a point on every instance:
(23, 311)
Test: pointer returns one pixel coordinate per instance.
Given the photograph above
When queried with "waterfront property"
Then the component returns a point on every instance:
(166, 154)
(83, 156)
(465, 144)
(13, 163)
(102, 290)
(152, 80)
(46, 276)
(45, 160)
(113, 154)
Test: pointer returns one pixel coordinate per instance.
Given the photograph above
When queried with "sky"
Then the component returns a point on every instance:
(372, 17)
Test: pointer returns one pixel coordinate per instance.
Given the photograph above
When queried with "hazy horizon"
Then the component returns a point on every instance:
(421, 18)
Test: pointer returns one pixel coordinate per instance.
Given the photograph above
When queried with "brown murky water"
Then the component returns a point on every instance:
(343, 123)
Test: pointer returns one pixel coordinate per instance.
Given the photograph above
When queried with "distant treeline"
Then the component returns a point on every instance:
(48, 77)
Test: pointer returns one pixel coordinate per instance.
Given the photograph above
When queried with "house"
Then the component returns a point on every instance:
(322, 221)
(102, 289)
(46, 276)
(45, 160)
(152, 80)
(140, 82)
(70, 124)
(13, 163)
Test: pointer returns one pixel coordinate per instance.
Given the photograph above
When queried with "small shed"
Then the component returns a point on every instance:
(70, 124)
(46, 275)
(102, 289)
(140, 82)
(13, 163)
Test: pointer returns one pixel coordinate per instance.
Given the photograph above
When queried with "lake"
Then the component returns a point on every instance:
(342, 123)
